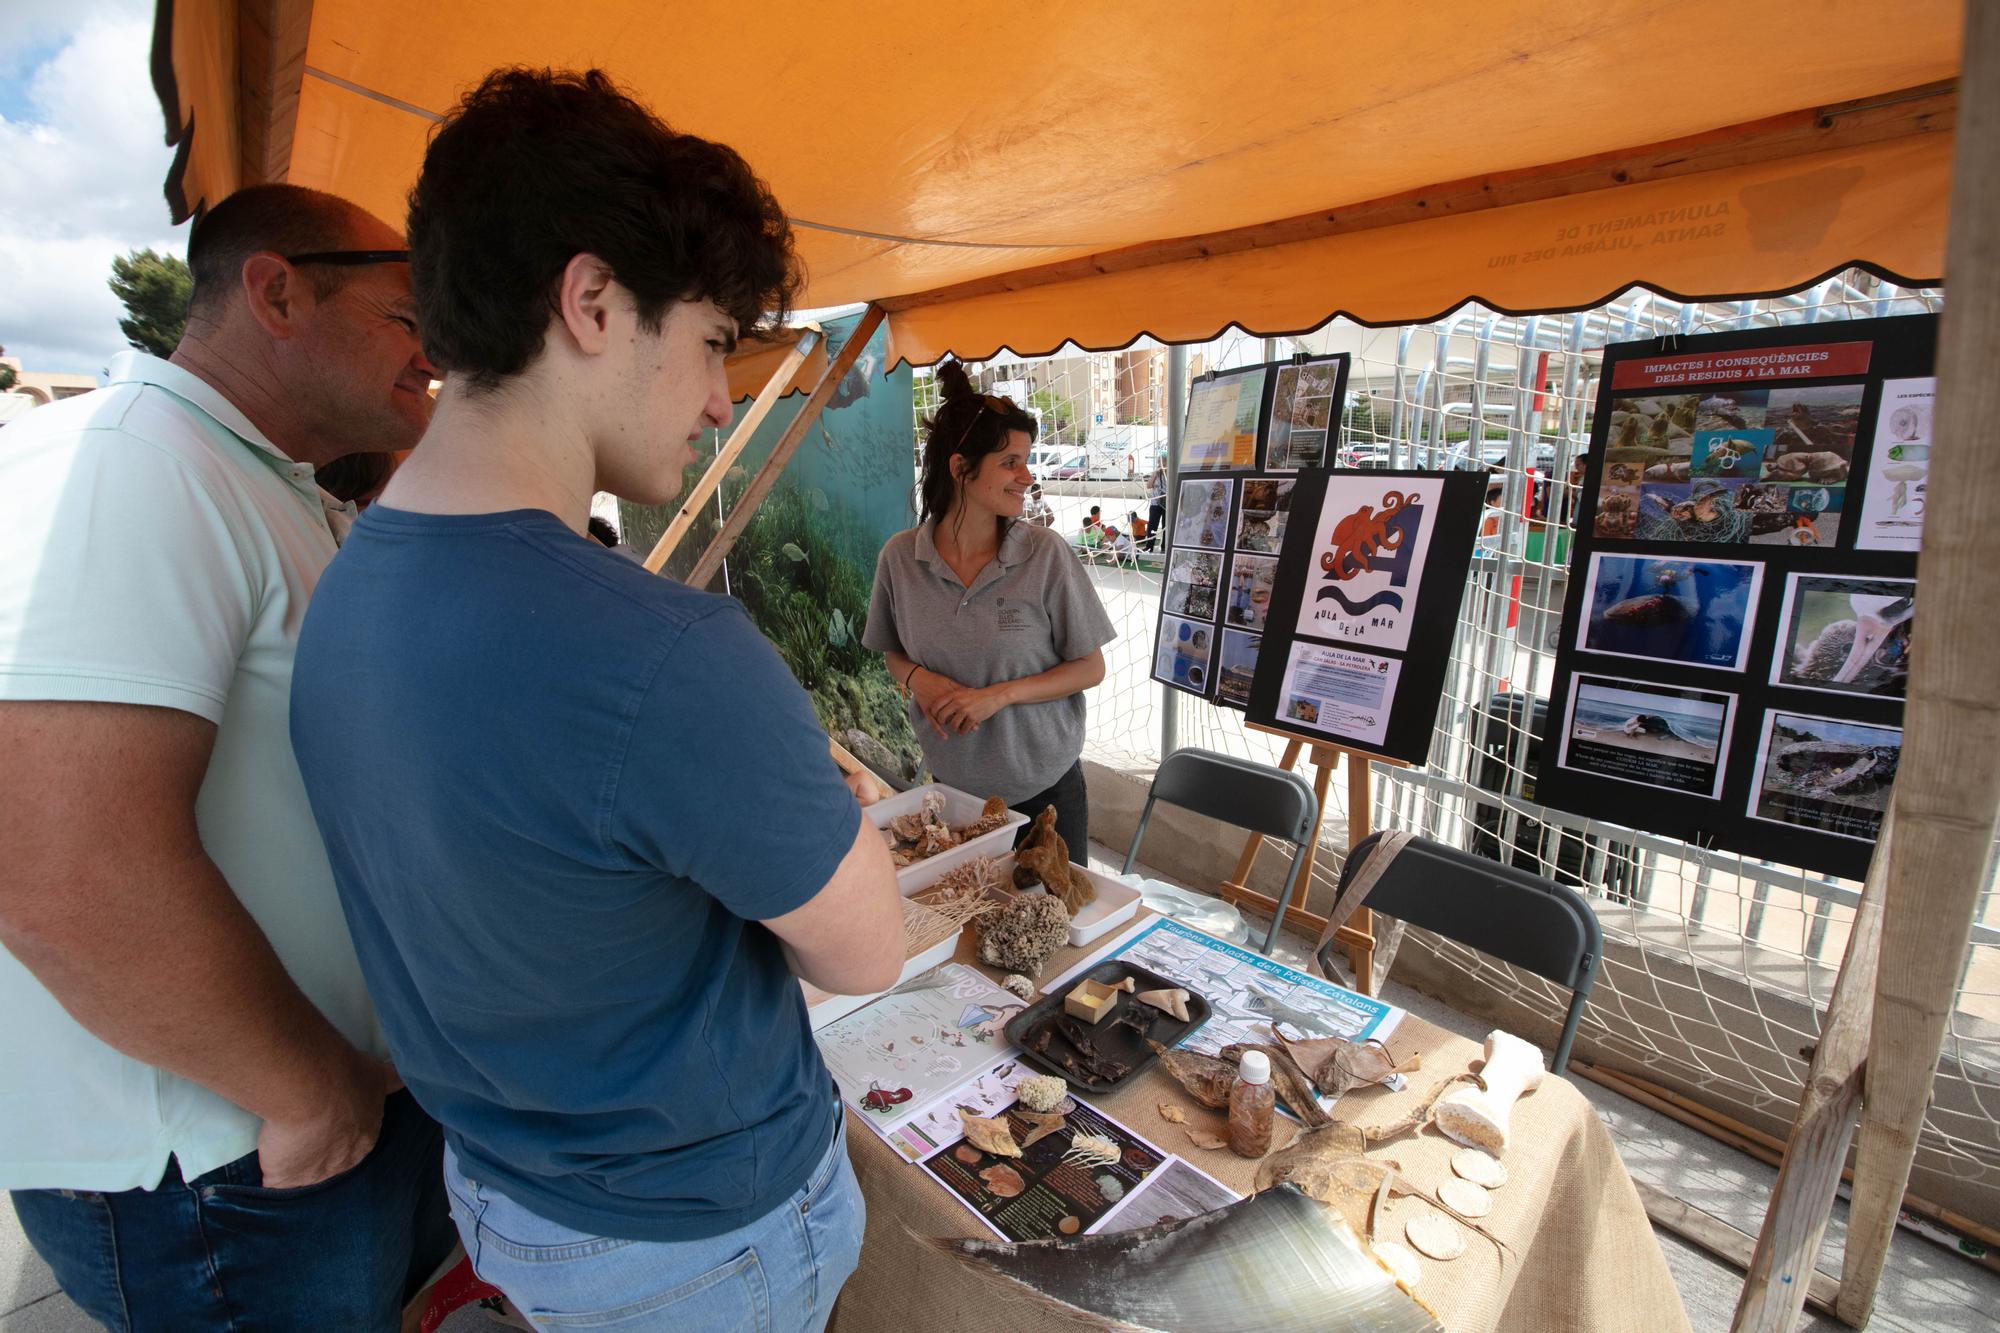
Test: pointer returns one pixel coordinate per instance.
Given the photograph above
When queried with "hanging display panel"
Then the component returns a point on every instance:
(1742, 596)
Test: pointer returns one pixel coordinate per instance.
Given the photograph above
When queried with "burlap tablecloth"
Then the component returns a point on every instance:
(1584, 1255)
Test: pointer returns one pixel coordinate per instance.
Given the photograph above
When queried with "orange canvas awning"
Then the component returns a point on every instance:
(1022, 175)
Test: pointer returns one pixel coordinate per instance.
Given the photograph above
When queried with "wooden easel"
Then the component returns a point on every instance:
(1358, 936)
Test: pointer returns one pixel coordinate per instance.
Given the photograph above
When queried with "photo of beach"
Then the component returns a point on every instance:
(1653, 735)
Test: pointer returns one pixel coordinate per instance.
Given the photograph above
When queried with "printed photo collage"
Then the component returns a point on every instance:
(1734, 603)
(1248, 434)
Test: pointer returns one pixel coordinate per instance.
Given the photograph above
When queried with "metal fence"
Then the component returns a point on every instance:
(1719, 965)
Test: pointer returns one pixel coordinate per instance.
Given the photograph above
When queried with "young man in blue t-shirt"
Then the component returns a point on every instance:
(582, 820)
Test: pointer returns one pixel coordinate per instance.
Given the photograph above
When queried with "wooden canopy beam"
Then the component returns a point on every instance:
(1911, 111)
(270, 68)
(1947, 793)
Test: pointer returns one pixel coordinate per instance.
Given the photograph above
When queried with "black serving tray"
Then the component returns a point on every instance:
(1112, 1040)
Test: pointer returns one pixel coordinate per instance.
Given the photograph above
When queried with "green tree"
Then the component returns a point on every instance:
(1057, 414)
(6, 378)
(154, 291)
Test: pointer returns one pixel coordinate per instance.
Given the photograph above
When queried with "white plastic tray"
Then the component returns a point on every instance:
(959, 810)
(1114, 905)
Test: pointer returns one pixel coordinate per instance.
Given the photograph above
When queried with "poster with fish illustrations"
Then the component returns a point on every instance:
(1741, 602)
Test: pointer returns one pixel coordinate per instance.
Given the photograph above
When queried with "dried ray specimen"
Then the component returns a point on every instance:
(1336, 1065)
(1436, 1235)
(1275, 1260)
(1465, 1198)
(1207, 1079)
(1201, 1138)
(992, 1136)
(1328, 1164)
(1479, 1167)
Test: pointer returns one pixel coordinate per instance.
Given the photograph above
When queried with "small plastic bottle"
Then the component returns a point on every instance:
(1252, 1103)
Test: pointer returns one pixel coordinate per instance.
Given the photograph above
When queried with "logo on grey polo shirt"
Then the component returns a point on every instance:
(1016, 616)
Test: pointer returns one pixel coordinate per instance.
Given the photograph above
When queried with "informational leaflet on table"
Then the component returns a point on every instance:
(919, 1046)
(1055, 1188)
(1338, 692)
(1892, 517)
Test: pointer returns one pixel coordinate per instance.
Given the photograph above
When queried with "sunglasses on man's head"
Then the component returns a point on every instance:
(351, 257)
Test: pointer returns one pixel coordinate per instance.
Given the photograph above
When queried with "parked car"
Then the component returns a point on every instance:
(1059, 464)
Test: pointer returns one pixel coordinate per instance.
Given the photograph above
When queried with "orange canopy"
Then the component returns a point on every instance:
(1018, 175)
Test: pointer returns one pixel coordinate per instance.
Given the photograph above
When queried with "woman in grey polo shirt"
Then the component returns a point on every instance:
(989, 623)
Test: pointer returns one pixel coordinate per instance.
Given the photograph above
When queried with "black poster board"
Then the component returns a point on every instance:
(1252, 432)
(1741, 599)
(1366, 604)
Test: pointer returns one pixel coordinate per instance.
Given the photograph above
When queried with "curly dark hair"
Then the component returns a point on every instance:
(969, 425)
(535, 167)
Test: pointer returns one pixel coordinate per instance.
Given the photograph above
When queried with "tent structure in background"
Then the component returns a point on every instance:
(1029, 174)
(1024, 175)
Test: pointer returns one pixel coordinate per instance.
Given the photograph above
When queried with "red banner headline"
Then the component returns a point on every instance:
(1752, 364)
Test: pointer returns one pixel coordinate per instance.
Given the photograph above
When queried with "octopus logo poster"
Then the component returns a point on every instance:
(1368, 564)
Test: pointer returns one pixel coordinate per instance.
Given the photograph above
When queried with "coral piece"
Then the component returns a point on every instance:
(1016, 984)
(1043, 858)
(993, 1136)
(1091, 1150)
(1042, 1092)
(1166, 1001)
(1022, 935)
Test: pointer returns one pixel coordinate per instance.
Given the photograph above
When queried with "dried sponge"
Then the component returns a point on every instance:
(1021, 936)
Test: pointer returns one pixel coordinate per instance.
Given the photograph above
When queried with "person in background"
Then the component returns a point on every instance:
(1138, 527)
(1092, 536)
(200, 1129)
(582, 819)
(991, 624)
(1156, 502)
(1037, 510)
(1119, 543)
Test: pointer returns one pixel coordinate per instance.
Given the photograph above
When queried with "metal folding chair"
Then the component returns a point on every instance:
(1518, 917)
(1258, 797)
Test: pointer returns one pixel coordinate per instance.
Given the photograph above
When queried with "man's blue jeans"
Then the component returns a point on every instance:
(780, 1272)
(222, 1252)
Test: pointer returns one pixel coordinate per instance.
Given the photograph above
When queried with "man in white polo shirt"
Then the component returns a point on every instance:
(196, 1120)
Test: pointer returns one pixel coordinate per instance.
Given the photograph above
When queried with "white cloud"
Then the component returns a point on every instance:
(81, 176)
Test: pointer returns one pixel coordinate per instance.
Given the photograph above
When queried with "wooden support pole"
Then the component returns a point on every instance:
(1947, 792)
(1359, 933)
(1795, 1221)
(725, 458)
(760, 485)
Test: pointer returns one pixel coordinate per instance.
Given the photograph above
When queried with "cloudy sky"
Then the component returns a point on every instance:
(83, 157)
